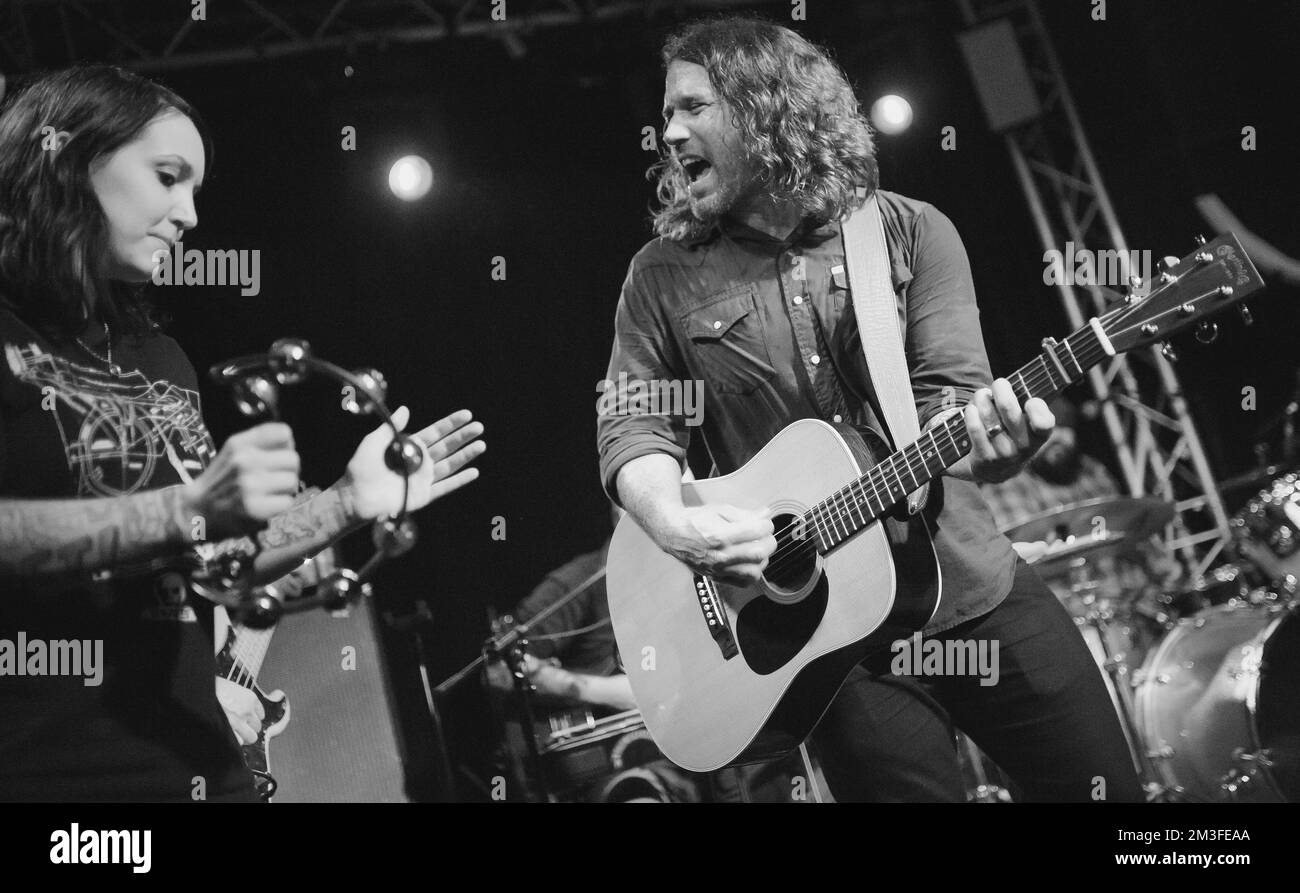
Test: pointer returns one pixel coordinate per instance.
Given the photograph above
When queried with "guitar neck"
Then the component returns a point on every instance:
(241, 659)
(875, 493)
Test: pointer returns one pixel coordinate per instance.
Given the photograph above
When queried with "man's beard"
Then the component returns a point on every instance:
(1058, 464)
(732, 185)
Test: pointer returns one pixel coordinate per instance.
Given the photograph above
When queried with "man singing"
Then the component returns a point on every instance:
(745, 290)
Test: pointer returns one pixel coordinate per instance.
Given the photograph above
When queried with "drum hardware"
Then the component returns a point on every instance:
(625, 749)
(989, 793)
(611, 758)
(976, 768)
(1110, 618)
(1266, 533)
(509, 642)
(1238, 783)
(1215, 707)
(1115, 672)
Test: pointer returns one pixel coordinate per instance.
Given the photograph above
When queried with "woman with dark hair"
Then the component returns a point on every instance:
(107, 675)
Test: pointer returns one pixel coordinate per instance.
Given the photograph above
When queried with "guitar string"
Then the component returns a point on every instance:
(914, 453)
(837, 508)
(248, 650)
(1090, 353)
(829, 508)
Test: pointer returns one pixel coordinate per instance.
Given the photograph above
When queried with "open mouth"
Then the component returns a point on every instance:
(696, 168)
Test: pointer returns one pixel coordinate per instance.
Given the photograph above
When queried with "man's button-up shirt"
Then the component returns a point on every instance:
(766, 327)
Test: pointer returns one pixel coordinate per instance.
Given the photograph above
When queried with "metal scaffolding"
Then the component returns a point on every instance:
(159, 35)
(1143, 407)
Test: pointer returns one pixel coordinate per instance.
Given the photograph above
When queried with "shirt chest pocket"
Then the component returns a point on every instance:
(728, 339)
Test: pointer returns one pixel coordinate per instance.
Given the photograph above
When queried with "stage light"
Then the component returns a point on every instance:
(410, 178)
(891, 114)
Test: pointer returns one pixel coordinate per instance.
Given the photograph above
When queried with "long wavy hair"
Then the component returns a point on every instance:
(796, 113)
(53, 232)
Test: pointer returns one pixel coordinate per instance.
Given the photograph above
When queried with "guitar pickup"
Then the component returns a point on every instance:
(715, 616)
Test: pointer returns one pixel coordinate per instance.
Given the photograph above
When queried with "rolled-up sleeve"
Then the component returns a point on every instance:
(945, 346)
(626, 426)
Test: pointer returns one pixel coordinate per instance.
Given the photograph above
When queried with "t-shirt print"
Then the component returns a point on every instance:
(117, 430)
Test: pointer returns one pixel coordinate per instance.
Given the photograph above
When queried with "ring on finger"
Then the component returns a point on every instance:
(994, 430)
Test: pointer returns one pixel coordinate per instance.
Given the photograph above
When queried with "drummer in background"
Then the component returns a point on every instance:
(572, 657)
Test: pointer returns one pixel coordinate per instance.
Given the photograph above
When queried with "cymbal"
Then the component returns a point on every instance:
(1056, 560)
(1126, 518)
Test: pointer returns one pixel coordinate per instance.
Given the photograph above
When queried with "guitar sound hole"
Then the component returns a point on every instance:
(794, 562)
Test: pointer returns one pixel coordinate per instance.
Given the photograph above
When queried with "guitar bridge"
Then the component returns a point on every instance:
(715, 616)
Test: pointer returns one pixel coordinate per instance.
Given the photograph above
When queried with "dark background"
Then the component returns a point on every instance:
(539, 160)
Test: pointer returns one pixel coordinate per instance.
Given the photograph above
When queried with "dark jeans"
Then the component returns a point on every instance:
(1048, 722)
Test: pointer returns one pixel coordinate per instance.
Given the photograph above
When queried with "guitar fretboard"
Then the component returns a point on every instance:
(861, 502)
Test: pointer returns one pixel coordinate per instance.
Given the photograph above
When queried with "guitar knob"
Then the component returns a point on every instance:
(1246, 316)
(1168, 352)
(1206, 332)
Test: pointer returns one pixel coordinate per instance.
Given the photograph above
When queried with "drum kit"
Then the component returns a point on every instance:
(1202, 676)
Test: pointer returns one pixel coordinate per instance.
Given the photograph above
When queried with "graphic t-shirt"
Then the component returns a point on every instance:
(132, 712)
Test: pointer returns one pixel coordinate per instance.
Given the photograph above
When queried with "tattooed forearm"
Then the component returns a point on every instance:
(313, 515)
(314, 522)
(80, 536)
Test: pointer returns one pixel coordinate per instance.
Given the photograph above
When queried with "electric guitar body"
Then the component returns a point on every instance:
(239, 661)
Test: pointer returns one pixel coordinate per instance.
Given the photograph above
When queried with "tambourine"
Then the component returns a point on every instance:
(255, 382)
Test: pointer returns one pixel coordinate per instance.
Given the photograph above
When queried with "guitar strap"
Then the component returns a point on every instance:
(866, 259)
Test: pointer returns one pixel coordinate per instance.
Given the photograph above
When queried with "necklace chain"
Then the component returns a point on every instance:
(108, 344)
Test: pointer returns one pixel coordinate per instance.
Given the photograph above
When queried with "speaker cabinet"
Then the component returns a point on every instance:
(341, 744)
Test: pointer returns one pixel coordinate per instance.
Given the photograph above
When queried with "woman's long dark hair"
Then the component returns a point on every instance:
(796, 113)
(53, 233)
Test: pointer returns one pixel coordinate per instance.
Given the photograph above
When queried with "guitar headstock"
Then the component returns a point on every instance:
(1211, 279)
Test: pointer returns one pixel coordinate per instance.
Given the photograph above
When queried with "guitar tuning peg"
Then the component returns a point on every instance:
(1246, 316)
(1200, 239)
(1206, 332)
(1167, 351)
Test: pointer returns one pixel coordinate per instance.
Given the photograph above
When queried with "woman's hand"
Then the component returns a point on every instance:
(372, 490)
(244, 710)
(253, 478)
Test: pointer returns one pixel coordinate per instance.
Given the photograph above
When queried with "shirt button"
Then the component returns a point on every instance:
(815, 359)
(798, 299)
(837, 418)
(717, 324)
